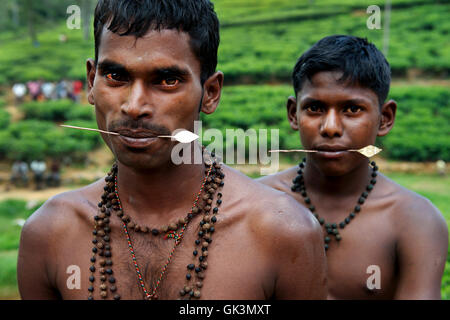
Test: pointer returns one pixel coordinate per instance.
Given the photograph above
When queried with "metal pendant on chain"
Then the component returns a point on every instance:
(332, 229)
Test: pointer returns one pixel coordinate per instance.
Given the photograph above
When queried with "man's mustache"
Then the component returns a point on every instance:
(138, 125)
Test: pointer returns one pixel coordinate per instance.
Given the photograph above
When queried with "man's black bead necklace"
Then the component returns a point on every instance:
(332, 229)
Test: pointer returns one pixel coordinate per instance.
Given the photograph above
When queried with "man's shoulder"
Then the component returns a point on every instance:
(271, 213)
(61, 211)
(280, 180)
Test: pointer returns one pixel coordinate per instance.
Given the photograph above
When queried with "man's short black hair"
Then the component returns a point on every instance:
(136, 17)
(360, 62)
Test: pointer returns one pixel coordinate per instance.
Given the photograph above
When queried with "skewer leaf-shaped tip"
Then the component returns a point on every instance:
(185, 136)
(369, 151)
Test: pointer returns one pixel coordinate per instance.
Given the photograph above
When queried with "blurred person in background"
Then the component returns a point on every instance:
(34, 88)
(38, 167)
(19, 174)
(77, 86)
(19, 90)
(48, 90)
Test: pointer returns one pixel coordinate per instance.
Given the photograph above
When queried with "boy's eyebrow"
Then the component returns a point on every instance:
(355, 101)
(341, 102)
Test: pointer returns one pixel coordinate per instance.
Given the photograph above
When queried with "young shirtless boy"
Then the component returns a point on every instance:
(382, 240)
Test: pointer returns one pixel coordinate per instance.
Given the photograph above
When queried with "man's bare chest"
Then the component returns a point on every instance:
(156, 267)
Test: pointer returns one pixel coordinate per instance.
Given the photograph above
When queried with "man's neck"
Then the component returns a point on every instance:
(164, 193)
(350, 184)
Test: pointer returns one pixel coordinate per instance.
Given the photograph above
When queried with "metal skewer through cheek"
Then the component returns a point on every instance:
(183, 136)
(368, 151)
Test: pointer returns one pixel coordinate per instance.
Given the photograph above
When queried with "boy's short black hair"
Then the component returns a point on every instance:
(360, 62)
(136, 17)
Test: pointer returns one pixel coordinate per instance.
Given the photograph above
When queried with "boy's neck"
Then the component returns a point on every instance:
(349, 184)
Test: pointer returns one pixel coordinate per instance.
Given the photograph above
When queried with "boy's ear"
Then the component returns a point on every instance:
(387, 120)
(292, 112)
(90, 77)
(212, 91)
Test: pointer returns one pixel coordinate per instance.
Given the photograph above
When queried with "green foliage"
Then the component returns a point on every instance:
(422, 130)
(11, 212)
(33, 139)
(57, 110)
(38, 137)
(5, 117)
(8, 264)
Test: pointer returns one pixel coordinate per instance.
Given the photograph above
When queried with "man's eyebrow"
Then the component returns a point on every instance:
(310, 100)
(171, 71)
(111, 65)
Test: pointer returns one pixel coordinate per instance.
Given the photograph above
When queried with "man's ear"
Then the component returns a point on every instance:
(387, 120)
(292, 112)
(90, 77)
(212, 91)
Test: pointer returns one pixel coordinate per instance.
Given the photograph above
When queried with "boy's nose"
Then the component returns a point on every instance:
(331, 125)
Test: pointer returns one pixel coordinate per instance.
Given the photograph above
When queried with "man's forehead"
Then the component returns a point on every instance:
(155, 44)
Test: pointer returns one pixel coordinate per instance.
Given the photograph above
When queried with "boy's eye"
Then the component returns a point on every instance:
(353, 109)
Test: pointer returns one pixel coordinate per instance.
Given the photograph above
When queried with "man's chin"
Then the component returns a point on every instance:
(142, 159)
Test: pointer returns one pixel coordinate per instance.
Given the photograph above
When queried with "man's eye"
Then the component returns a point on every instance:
(313, 108)
(170, 82)
(114, 76)
(353, 109)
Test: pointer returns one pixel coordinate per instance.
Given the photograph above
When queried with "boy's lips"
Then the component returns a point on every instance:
(331, 151)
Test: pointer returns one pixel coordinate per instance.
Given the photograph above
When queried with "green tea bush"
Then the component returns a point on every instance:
(422, 128)
(10, 213)
(5, 118)
(57, 110)
(33, 139)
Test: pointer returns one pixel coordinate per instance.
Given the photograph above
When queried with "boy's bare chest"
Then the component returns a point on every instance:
(362, 264)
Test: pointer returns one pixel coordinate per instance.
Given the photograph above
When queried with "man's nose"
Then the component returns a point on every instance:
(331, 125)
(138, 104)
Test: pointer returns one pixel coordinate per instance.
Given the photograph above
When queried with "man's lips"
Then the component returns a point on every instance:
(137, 138)
(137, 134)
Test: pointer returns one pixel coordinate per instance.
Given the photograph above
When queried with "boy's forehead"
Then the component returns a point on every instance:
(326, 86)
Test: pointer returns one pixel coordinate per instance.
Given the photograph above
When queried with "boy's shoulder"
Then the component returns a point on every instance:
(409, 208)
